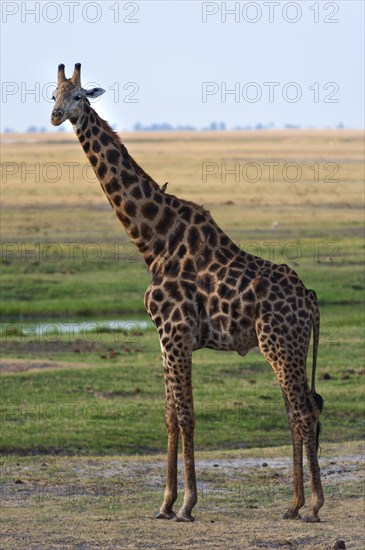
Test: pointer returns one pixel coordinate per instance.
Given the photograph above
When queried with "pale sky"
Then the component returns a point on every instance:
(175, 61)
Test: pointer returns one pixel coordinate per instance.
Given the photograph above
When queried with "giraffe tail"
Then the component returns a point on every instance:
(315, 324)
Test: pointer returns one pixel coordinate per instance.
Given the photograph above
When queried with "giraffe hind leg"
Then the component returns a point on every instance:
(287, 356)
(306, 414)
(298, 485)
(304, 420)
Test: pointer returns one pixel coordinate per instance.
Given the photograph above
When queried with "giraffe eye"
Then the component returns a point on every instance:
(78, 97)
(53, 97)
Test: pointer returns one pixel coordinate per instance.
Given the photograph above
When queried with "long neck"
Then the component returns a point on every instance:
(134, 195)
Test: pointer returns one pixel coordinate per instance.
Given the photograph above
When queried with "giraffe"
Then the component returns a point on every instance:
(205, 293)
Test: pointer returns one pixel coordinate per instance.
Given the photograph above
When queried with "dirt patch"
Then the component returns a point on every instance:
(46, 354)
(21, 365)
(42, 347)
(107, 502)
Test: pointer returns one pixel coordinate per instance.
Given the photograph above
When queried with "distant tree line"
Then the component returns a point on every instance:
(213, 126)
(166, 127)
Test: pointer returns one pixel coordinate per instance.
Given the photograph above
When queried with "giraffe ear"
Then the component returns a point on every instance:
(94, 92)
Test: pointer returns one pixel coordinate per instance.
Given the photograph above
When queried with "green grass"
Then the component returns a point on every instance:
(112, 284)
(76, 287)
(110, 403)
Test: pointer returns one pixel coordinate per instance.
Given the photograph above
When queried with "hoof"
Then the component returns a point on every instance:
(311, 519)
(187, 518)
(164, 515)
(292, 515)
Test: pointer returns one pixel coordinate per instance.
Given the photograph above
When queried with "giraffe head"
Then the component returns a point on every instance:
(70, 97)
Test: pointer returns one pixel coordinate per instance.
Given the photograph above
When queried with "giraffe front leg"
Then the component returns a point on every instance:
(179, 375)
(190, 495)
(170, 496)
(177, 354)
(172, 427)
(186, 421)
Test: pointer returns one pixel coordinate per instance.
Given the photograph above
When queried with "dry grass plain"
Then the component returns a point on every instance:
(50, 196)
(36, 207)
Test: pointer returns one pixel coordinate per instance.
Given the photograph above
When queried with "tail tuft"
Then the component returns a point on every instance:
(319, 402)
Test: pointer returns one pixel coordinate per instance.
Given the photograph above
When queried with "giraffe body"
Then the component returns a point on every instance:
(205, 293)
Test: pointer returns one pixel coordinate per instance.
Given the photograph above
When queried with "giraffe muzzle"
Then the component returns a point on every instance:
(57, 116)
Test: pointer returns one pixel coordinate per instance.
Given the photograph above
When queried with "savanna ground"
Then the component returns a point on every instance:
(83, 437)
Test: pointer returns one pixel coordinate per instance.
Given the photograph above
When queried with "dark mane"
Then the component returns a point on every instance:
(105, 126)
(118, 143)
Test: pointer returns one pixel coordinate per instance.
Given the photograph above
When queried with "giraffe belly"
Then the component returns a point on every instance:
(222, 334)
